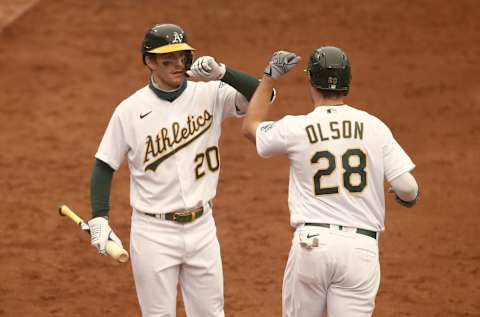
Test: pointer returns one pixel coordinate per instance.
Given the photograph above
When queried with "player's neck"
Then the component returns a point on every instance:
(319, 100)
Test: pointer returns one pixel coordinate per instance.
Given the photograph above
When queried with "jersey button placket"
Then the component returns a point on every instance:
(177, 158)
(180, 169)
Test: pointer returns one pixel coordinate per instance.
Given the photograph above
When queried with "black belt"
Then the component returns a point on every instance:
(369, 233)
(182, 216)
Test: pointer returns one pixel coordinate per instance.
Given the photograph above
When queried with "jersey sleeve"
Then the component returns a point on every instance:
(395, 160)
(113, 147)
(271, 138)
(226, 97)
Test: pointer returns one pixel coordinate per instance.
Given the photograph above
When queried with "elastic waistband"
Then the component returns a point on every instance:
(365, 232)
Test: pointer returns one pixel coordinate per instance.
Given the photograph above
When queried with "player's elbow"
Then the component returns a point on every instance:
(409, 194)
(249, 131)
(405, 186)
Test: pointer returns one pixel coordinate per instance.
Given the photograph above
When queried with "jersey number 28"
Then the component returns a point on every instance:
(348, 171)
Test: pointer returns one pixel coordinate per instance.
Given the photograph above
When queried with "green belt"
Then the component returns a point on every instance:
(183, 216)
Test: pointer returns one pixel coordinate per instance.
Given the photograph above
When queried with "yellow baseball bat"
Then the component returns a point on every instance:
(113, 249)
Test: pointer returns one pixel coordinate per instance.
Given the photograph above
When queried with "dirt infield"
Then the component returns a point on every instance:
(10, 10)
(65, 65)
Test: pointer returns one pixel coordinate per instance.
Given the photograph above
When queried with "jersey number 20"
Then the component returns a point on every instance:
(348, 171)
(212, 161)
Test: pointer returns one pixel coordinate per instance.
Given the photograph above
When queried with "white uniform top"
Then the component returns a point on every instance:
(172, 147)
(339, 157)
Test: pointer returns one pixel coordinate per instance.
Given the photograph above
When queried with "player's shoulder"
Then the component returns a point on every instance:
(204, 88)
(204, 85)
(291, 123)
(373, 119)
(140, 96)
(288, 119)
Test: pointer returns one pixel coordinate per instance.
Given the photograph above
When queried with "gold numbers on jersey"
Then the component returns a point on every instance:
(210, 157)
(354, 163)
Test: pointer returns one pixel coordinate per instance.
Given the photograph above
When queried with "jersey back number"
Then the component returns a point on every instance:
(350, 170)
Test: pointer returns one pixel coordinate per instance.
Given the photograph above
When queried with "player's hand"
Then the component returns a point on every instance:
(281, 63)
(206, 67)
(100, 233)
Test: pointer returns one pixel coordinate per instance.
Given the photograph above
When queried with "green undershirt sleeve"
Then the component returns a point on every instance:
(242, 82)
(100, 185)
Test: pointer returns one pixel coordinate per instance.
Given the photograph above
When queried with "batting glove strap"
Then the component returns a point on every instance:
(112, 236)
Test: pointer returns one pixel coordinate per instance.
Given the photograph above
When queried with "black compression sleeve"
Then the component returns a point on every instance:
(242, 82)
(100, 185)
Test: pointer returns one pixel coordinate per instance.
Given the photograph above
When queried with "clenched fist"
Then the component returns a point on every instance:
(206, 67)
(100, 233)
(281, 63)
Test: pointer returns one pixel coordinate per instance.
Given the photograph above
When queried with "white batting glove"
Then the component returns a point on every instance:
(281, 63)
(100, 233)
(206, 67)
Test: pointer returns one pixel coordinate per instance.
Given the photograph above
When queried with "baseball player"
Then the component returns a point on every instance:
(339, 157)
(169, 132)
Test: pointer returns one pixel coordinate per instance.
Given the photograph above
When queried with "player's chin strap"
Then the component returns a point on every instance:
(406, 203)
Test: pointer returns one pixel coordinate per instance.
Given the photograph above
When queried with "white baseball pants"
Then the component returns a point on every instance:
(341, 271)
(164, 254)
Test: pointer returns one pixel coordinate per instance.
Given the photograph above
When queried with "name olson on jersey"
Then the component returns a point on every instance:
(334, 130)
(168, 141)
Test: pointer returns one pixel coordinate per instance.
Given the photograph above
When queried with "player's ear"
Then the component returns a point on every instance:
(151, 61)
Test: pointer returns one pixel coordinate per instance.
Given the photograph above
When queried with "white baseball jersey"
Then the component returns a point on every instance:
(172, 147)
(339, 157)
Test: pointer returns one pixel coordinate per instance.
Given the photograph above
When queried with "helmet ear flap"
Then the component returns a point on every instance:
(144, 58)
(188, 59)
(309, 74)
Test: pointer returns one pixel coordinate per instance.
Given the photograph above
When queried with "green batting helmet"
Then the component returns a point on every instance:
(329, 69)
(166, 38)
